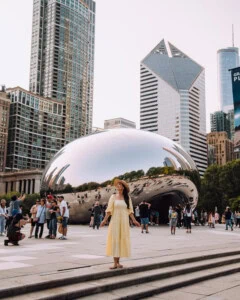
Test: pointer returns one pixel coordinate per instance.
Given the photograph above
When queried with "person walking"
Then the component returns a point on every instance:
(3, 216)
(188, 216)
(40, 218)
(120, 209)
(144, 209)
(33, 212)
(228, 218)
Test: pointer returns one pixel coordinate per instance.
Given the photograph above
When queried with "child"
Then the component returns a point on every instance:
(173, 216)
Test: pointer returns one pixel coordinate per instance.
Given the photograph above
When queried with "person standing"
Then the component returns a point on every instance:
(3, 216)
(41, 217)
(64, 211)
(33, 212)
(228, 218)
(96, 215)
(144, 209)
(120, 209)
(188, 216)
(173, 217)
(53, 219)
(137, 213)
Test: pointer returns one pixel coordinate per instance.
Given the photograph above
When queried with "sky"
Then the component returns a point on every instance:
(126, 31)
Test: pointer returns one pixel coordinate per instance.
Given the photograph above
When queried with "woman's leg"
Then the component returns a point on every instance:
(118, 263)
(115, 263)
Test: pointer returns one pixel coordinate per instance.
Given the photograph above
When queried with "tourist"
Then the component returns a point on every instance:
(120, 209)
(54, 210)
(50, 198)
(40, 218)
(228, 218)
(14, 232)
(91, 216)
(211, 220)
(144, 209)
(64, 211)
(237, 213)
(173, 217)
(3, 216)
(137, 213)
(96, 215)
(188, 218)
(179, 213)
(33, 212)
(15, 204)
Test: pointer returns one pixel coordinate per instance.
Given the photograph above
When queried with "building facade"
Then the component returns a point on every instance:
(227, 58)
(23, 181)
(62, 59)
(118, 123)
(223, 147)
(4, 121)
(172, 99)
(220, 121)
(36, 130)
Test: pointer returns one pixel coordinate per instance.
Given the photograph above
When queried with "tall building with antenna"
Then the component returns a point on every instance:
(227, 58)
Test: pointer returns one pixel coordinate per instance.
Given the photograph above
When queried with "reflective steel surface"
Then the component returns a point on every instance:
(157, 169)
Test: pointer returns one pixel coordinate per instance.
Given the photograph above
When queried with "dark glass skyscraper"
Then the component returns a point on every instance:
(228, 58)
(62, 59)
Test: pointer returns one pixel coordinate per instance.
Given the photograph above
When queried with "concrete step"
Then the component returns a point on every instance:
(147, 290)
(128, 282)
(41, 282)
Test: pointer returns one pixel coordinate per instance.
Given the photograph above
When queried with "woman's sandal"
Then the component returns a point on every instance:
(114, 267)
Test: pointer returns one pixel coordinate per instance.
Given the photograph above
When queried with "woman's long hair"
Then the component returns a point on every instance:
(126, 196)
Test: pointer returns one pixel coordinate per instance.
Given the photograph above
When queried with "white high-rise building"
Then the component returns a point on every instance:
(173, 99)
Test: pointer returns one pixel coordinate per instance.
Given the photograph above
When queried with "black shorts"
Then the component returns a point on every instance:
(33, 223)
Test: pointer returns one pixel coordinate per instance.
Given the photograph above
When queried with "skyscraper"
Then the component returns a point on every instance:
(62, 59)
(220, 121)
(173, 99)
(227, 58)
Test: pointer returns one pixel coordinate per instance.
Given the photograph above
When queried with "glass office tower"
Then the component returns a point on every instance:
(173, 99)
(227, 58)
(62, 59)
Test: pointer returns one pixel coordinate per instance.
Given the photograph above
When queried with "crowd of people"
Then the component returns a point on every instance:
(49, 210)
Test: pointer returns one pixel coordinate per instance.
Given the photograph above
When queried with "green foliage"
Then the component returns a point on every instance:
(27, 203)
(220, 186)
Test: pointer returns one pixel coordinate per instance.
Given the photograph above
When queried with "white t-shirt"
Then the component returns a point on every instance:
(62, 205)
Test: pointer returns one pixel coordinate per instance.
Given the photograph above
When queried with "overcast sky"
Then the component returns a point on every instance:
(126, 31)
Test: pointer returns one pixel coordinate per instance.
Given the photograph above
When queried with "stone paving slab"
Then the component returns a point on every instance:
(84, 251)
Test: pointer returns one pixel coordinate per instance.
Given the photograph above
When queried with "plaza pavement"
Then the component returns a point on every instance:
(39, 260)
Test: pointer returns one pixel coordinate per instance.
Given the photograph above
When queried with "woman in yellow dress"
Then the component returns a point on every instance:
(120, 209)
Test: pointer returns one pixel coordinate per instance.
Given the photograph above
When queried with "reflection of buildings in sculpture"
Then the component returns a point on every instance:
(184, 164)
(169, 162)
(61, 183)
(223, 147)
(53, 184)
(173, 100)
(118, 123)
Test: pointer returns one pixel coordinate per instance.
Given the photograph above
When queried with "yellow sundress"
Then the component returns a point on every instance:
(118, 238)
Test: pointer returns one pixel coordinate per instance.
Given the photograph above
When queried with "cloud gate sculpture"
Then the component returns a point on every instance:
(156, 168)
